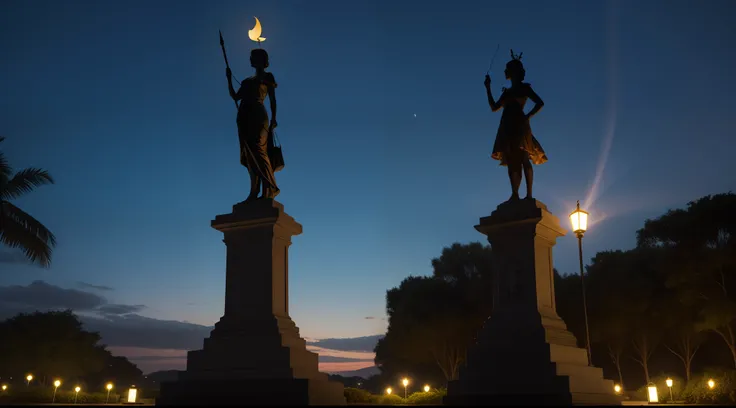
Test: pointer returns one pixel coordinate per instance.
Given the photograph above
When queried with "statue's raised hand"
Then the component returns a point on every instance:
(487, 82)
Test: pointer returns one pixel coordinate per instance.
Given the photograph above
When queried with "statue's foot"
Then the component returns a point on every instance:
(529, 197)
(514, 197)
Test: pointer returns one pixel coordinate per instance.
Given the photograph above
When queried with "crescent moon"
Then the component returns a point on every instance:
(255, 33)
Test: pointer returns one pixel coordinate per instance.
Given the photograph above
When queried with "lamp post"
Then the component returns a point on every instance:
(5, 387)
(389, 391)
(711, 384)
(57, 383)
(109, 388)
(405, 382)
(76, 392)
(426, 388)
(29, 378)
(579, 220)
(669, 383)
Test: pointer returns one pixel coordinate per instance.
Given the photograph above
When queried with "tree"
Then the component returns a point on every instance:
(49, 344)
(702, 243)
(19, 229)
(430, 322)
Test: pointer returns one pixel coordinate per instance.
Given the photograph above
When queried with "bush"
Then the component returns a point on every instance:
(433, 397)
(357, 396)
(698, 392)
(46, 394)
(663, 392)
(392, 399)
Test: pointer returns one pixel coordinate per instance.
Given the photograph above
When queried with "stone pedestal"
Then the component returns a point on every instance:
(524, 354)
(254, 355)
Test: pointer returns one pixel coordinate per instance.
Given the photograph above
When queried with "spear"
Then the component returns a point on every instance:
(224, 54)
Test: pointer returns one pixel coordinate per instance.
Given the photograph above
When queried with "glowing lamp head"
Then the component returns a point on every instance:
(668, 382)
(109, 386)
(426, 388)
(389, 391)
(77, 389)
(29, 377)
(405, 381)
(5, 387)
(711, 384)
(652, 393)
(579, 220)
(617, 389)
(57, 383)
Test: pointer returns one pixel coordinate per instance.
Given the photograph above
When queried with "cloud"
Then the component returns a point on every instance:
(14, 257)
(117, 310)
(369, 318)
(118, 324)
(39, 295)
(366, 343)
(85, 285)
(155, 344)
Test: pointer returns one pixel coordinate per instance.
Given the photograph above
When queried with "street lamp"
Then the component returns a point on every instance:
(109, 388)
(76, 392)
(29, 378)
(617, 389)
(426, 388)
(405, 382)
(711, 384)
(5, 387)
(389, 391)
(579, 220)
(57, 383)
(669, 385)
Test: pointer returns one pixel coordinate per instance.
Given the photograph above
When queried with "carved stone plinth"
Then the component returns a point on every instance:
(254, 355)
(524, 354)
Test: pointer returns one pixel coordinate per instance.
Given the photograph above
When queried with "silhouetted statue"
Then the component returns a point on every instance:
(254, 128)
(516, 146)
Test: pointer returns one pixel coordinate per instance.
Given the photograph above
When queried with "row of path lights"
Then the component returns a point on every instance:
(57, 384)
(405, 383)
(653, 394)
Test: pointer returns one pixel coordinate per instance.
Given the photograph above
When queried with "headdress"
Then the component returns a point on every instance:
(516, 57)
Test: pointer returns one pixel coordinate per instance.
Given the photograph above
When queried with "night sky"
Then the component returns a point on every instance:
(386, 135)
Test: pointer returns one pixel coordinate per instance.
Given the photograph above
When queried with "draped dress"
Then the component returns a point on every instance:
(514, 131)
(253, 127)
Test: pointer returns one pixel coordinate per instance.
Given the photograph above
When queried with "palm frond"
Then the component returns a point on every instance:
(5, 170)
(18, 229)
(24, 182)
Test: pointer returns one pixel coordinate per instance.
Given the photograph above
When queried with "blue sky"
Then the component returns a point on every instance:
(126, 104)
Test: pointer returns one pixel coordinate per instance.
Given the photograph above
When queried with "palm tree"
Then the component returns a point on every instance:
(17, 228)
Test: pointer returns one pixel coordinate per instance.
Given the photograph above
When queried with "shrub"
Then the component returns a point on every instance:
(663, 392)
(46, 394)
(433, 397)
(357, 396)
(392, 399)
(698, 392)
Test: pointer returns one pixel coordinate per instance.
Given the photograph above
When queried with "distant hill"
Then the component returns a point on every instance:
(363, 372)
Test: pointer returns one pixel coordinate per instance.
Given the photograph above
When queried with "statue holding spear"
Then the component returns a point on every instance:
(258, 152)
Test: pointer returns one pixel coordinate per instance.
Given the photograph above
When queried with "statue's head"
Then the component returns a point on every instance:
(514, 68)
(258, 58)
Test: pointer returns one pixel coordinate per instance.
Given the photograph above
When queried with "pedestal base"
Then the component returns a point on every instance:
(254, 355)
(524, 354)
(251, 392)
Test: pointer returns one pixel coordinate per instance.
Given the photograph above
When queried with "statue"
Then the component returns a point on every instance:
(515, 145)
(254, 129)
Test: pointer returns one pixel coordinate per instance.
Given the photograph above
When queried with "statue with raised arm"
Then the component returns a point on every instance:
(254, 128)
(515, 145)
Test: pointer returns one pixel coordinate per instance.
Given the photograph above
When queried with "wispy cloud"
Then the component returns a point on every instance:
(85, 285)
(369, 318)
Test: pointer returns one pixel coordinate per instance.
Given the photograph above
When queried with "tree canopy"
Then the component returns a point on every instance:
(55, 345)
